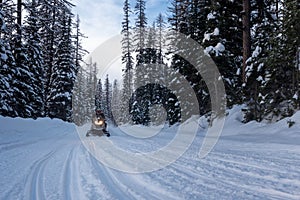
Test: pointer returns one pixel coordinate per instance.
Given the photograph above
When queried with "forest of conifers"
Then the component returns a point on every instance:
(254, 43)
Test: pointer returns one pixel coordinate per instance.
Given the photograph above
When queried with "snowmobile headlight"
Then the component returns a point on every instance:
(99, 122)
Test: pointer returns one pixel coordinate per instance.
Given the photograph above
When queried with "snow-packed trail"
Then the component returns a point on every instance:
(45, 159)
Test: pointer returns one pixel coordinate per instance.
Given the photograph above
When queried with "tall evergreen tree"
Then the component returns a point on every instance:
(55, 15)
(180, 21)
(107, 98)
(64, 74)
(223, 42)
(23, 81)
(161, 50)
(140, 41)
(99, 95)
(78, 98)
(91, 88)
(79, 50)
(116, 103)
(35, 58)
(282, 86)
(140, 46)
(7, 62)
(263, 24)
(127, 61)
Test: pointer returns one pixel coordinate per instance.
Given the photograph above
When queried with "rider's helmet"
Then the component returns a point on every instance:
(98, 112)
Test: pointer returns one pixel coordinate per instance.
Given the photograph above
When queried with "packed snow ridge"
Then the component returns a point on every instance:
(45, 159)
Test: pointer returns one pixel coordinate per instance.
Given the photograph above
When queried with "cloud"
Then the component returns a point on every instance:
(100, 19)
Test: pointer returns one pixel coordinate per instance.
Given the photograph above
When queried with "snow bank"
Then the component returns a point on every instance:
(25, 125)
(44, 159)
(278, 132)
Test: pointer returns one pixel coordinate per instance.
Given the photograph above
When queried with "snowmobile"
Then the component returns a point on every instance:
(98, 128)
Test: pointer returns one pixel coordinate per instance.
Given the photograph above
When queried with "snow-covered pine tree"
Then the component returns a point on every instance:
(23, 84)
(53, 14)
(8, 8)
(128, 62)
(127, 91)
(99, 95)
(282, 85)
(116, 103)
(180, 21)
(90, 89)
(223, 42)
(127, 47)
(160, 46)
(140, 69)
(49, 29)
(64, 71)
(78, 99)
(175, 20)
(107, 98)
(140, 26)
(291, 26)
(34, 53)
(7, 61)
(160, 38)
(140, 41)
(197, 18)
(263, 23)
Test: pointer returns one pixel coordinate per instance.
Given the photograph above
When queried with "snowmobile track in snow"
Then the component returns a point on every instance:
(50, 162)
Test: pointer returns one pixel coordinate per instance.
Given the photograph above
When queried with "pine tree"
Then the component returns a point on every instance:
(48, 12)
(90, 89)
(99, 96)
(23, 83)
(64, 73)
(223, 42)
(197, 23)
(54, 15)
(282, 86)
(79, 50)
(78, 98)
(161, 48)
(34, 49)
(7, 62)
(263, 24)
(160, 41)
(141, 65)
(115, 103)
(127, 61)
(107, 98)
(35, 58)
(127, 58)
(140, 42)
(180, 22)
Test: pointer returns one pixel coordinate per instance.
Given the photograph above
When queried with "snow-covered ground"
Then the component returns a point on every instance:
(45, 159)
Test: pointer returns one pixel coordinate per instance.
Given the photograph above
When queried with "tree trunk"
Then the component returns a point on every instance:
(19, 18)
(246, 36)
(1, 10)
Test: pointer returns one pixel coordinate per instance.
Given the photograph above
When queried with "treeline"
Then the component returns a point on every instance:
(254, 43)
(91, 93)
(40, 55)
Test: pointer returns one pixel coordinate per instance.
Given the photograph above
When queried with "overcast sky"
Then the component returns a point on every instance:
(101, 19)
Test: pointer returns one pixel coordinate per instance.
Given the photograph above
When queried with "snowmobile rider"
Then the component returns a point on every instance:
(100, 114)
